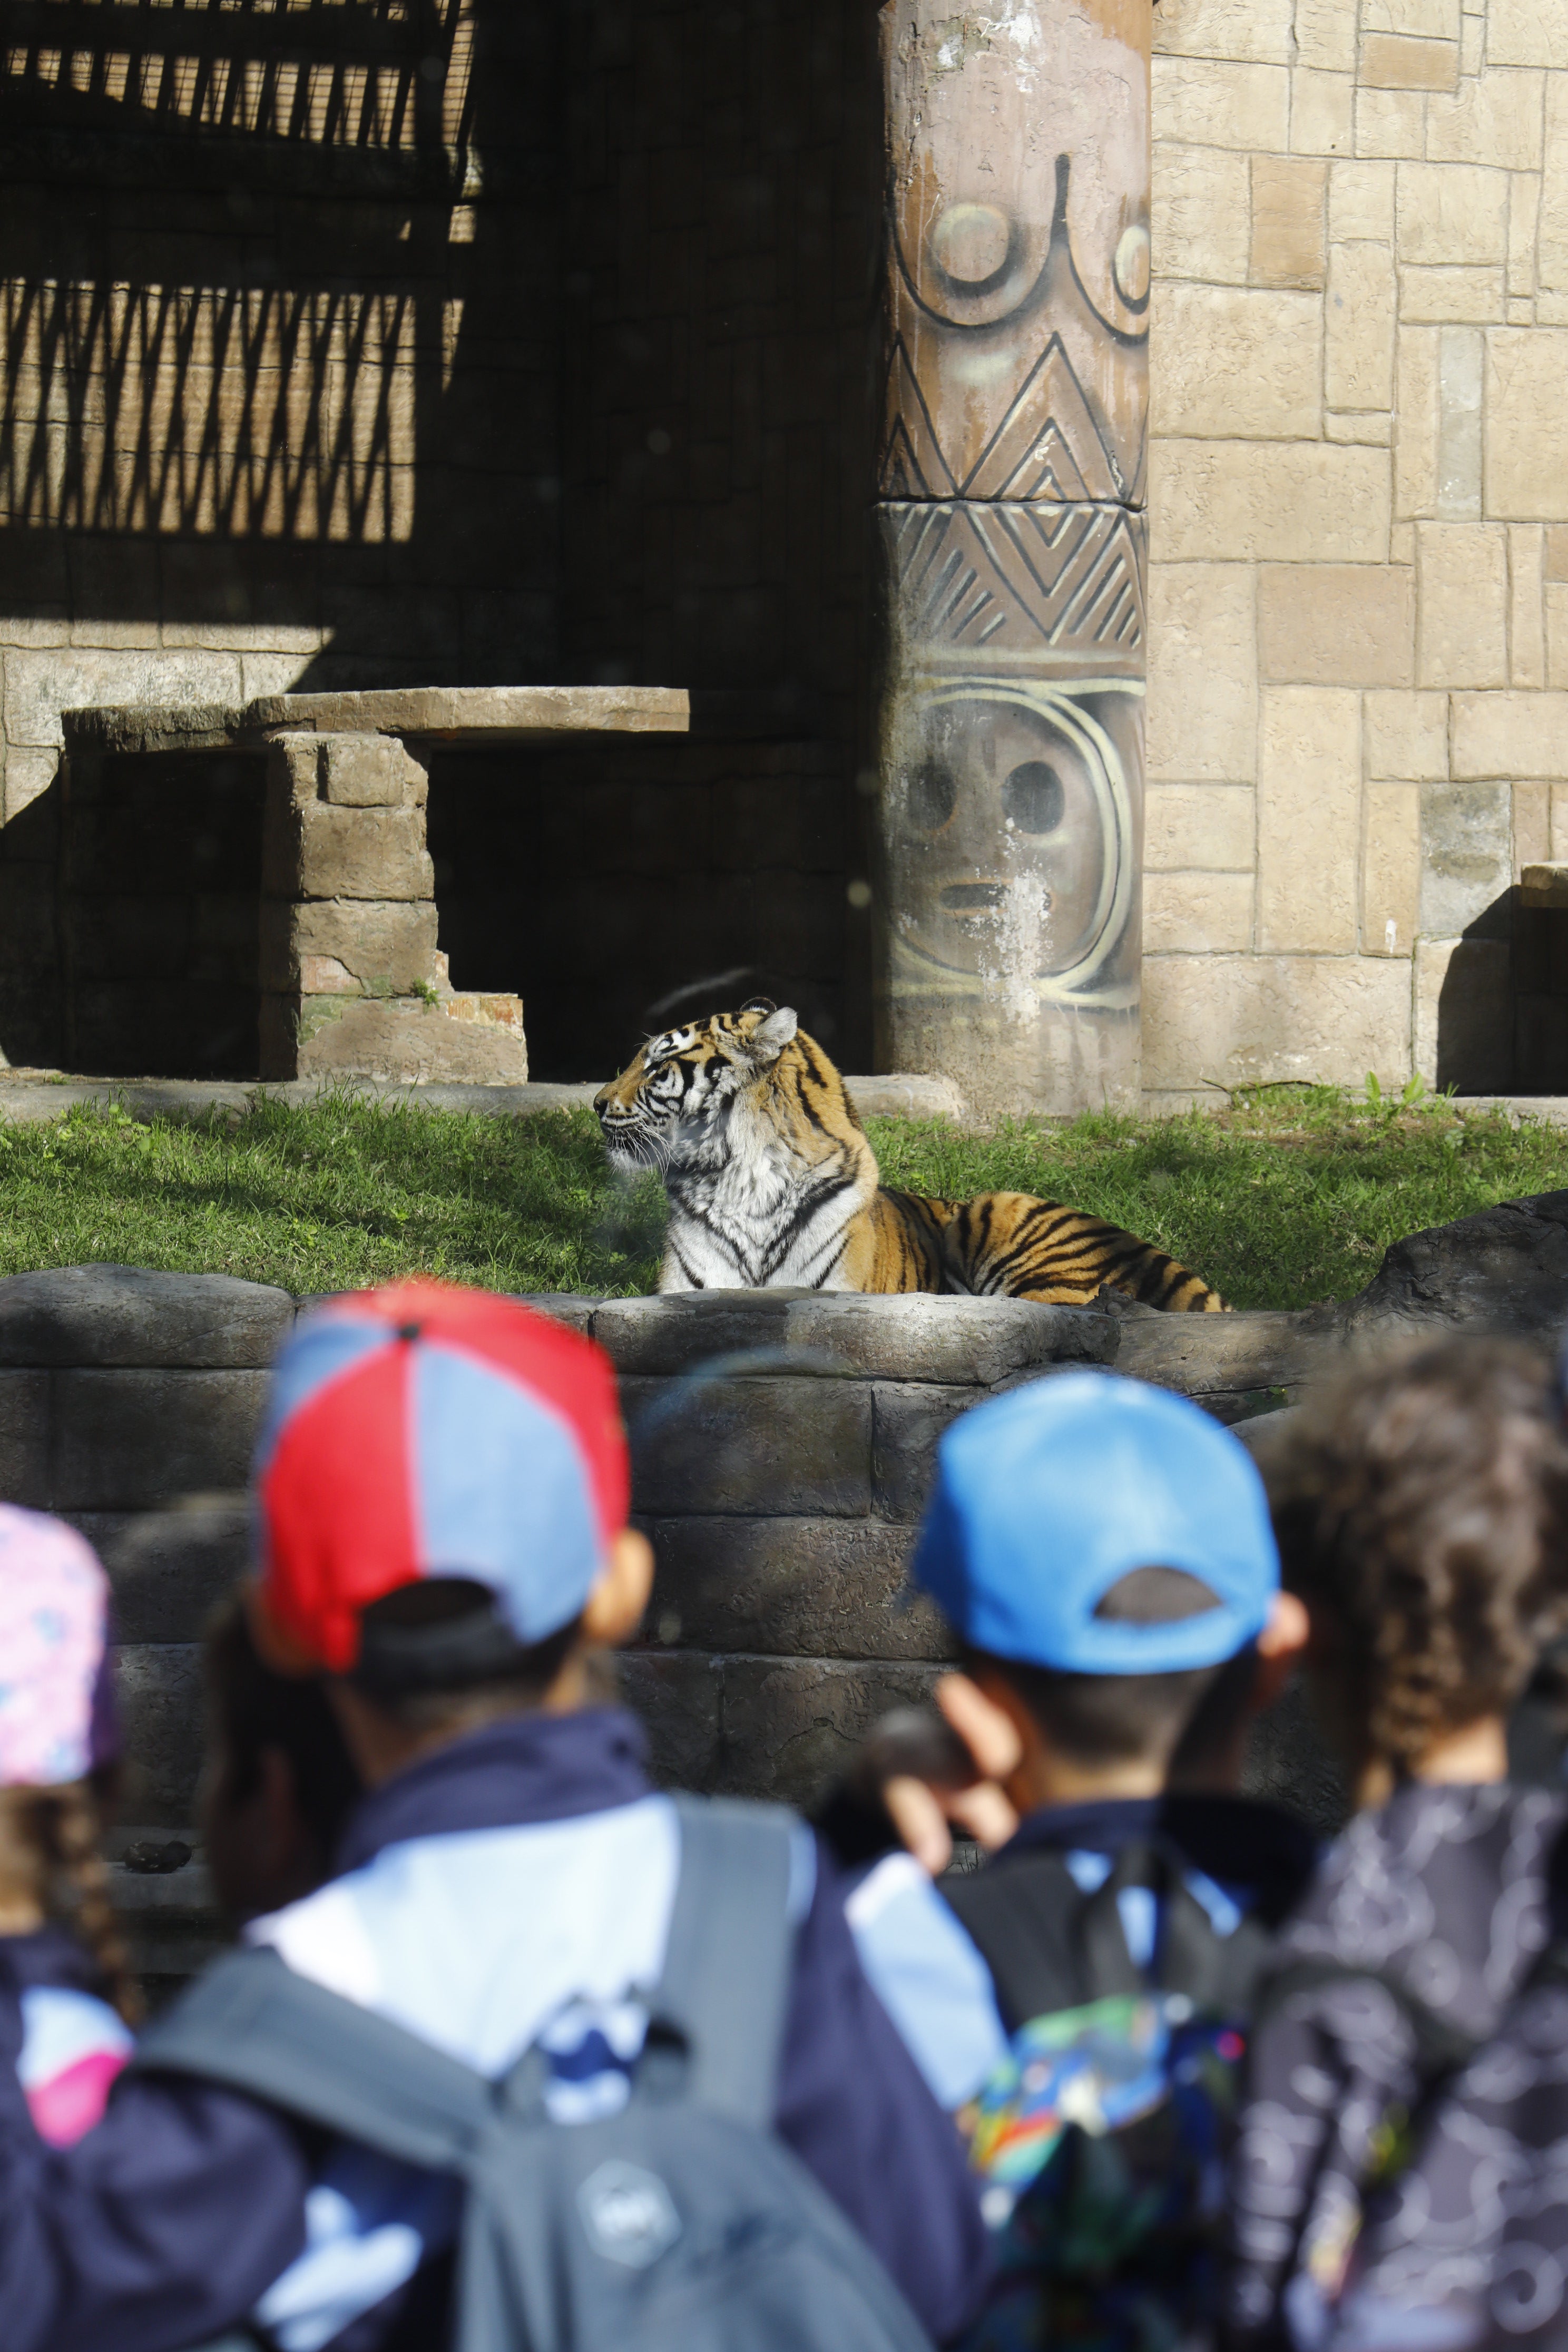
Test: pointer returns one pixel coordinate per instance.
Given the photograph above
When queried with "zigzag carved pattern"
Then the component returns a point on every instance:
(1048, 446)
(1010, 578)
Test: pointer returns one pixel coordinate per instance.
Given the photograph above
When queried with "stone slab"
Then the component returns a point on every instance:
(790, 1445)
(788, 1726)
(910, 1422)
(404, 1040)
(916, 1337)
(786, 1586)
(478, 714)
(169, 1569)
(25, 1438)
(130, 1441)
(126, 1314)
(159, 1688)
(1218, 1355)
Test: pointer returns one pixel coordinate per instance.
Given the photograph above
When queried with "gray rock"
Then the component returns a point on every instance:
(25, 1438)
(130, 1441)
(786, 1585)
(169, 1569)
(678, 1695)
(124, 1314)
(909, 1424)
(783, 1447)
(789, 1726)
(159, 1687)
(1503, 1270)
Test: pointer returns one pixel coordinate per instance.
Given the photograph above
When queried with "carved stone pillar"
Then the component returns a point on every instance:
(1011, 495)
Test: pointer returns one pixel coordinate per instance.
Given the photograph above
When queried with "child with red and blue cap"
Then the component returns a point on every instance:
(1104, 1552)
(65, 1998)
(442, 1488)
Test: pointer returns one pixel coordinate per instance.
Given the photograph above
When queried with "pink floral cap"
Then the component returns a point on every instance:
(55, 1718)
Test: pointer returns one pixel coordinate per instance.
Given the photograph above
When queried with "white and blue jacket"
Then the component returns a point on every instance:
(511, 1888)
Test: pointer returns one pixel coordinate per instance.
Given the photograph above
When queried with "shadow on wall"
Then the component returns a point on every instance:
(459, 341)
(1503, 1002)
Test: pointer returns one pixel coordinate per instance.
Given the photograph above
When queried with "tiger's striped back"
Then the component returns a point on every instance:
(773, 1183)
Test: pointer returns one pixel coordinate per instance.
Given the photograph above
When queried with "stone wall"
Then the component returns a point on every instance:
(1358, 701)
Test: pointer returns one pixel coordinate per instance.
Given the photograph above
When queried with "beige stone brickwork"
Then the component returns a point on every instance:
(1358, 684)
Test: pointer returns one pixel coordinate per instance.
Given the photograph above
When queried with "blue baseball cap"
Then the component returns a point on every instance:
(1049, 1496)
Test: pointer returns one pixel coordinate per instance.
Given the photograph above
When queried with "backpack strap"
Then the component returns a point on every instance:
(1442, 2048)
(727, 1963)
(252, 2025)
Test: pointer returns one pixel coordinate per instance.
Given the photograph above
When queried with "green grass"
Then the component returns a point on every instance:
(1281, 1197)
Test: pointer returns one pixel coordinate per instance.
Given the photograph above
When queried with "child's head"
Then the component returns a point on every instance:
(1104, 1552)
(59, 1738)
(279, 1783)
(443, 1485)
(1422, 1511)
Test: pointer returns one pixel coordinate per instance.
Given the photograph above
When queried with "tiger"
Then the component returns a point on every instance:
(772, 1185)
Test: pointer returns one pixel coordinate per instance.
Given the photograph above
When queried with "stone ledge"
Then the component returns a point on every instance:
(105, 1315)
(478, 714)
(974, 1342)
(28, 1096)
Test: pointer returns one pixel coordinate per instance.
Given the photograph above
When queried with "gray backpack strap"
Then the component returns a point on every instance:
(251, 2024)
(728, 1959)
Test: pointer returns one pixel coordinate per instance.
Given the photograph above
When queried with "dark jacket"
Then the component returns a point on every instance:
(186, 2208)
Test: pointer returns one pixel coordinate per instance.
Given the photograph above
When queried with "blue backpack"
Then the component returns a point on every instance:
(680, 2224)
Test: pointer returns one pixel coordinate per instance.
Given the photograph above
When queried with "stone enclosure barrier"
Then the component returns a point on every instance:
(783, 1445)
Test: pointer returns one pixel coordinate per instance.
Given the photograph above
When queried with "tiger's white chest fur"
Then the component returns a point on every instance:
(760, 1218)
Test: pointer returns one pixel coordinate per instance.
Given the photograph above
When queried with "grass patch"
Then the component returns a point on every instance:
(1284, 1196)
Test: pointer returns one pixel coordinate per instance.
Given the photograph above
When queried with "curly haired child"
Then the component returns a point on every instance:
(66, 2002)
(1422, 1513)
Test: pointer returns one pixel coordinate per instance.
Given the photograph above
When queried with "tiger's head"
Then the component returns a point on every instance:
(672, 1103)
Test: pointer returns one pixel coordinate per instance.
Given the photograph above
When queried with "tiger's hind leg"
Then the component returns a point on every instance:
(1010, 1246)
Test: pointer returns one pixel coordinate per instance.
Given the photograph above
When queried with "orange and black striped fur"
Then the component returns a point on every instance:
(772, 1185)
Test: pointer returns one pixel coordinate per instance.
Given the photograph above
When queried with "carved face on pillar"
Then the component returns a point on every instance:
(1011, 838)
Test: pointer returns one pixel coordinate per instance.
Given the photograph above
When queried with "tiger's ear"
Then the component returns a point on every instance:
(769, 1038)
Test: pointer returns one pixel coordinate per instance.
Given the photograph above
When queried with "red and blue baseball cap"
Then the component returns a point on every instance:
(423, 1432)
(1049, 1494)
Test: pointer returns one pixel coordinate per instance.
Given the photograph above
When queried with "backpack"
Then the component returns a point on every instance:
(679, 2225)
(1103, 2136)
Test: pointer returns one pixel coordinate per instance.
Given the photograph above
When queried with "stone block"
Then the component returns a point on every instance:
(1390, 869)
(1322, 112)
(1526, 605)
(1286, 241)
(916, 1335)
(1527, 33)
(1451, 213)
(790, 1726)
(1416, 413)
(678, 1698)
(1309, 796)
(1226, 30)
(1392, 61)
(24, 1439)
(784, 1587)
(1358, 348)
(370, 771)
(404, 1039)
(361, 853)
(1390, 122)
(1462, 574)
(1510, 735)
(1361, 203)
(1551, 255)
(784, 1445)
(1492, 118)
(1556, 602)
(126, 1314)
(1203, 673)
(1527, 425)
(1238, 361)
(1531, 825)
(1206, 826)
(1196, 914)
(129, 1441)
(1199, 221)
(1336, 624)
(169, 1569)
(159, 1689)
(1217, 1356)
(42, 683)
(1450, 296)
(1523, 231)
(1236, 1021)
(1464, 1014)
(1467, 856)
(382, 948)
(910, 1423)
(1260, 501)
(1208, 102)
(1325, 36)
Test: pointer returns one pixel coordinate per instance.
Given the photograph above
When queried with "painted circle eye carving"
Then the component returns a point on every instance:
(931, 795)
(1033, 797)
